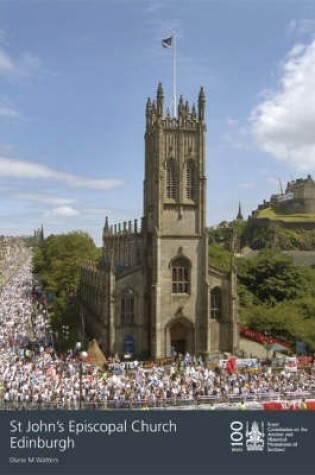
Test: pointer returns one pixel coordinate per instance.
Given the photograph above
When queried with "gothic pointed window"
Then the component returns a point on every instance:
(215, 303)
(180, 276)
(127, 307)
(171, 187)
(190, 179)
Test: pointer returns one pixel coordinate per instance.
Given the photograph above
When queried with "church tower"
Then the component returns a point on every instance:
(153, 293)
(175, 226)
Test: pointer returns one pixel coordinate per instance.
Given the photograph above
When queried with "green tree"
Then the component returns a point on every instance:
(57, 262)
(276, 295)
(219, 257)
(272, 277)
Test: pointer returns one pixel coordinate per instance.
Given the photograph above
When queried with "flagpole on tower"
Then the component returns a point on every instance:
(174, 76)
(171, 43)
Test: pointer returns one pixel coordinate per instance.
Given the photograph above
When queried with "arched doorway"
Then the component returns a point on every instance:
(129, 344)
(181, 337)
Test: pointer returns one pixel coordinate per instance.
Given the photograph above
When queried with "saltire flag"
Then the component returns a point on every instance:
(167, 42)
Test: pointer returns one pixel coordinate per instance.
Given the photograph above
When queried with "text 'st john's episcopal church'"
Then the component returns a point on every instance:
(154, 291)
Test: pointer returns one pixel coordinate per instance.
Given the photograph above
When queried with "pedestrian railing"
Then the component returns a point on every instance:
(167, 403)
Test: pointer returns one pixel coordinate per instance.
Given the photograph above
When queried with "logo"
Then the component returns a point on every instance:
(237, 436)
(255, 437)
(249, 437)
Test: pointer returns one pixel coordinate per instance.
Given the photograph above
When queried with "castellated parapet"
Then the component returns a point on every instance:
(186, 116)
(302, 192)
(122, 243)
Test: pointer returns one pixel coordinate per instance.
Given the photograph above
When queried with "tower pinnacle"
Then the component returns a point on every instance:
(160, 100)
(201, 104)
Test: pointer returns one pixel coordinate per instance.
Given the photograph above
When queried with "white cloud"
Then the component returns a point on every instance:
(28, 64)
(8, 111)
(23, 65)
(96, 211)
(45, 199)
(303, 26)
(6, 63)
(232, 122)
(127, 213)
(62, 211)
(283, 123)
(34, 171)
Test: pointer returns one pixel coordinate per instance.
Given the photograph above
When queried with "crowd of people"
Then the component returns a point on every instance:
(32, 375)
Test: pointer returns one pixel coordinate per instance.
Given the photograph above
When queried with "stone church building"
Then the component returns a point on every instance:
(154, 292)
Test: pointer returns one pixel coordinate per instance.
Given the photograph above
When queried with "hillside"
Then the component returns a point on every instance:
(274, 215)
(285, 221)
(269, 228)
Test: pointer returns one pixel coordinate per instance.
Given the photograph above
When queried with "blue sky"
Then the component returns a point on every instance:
(74, 79)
